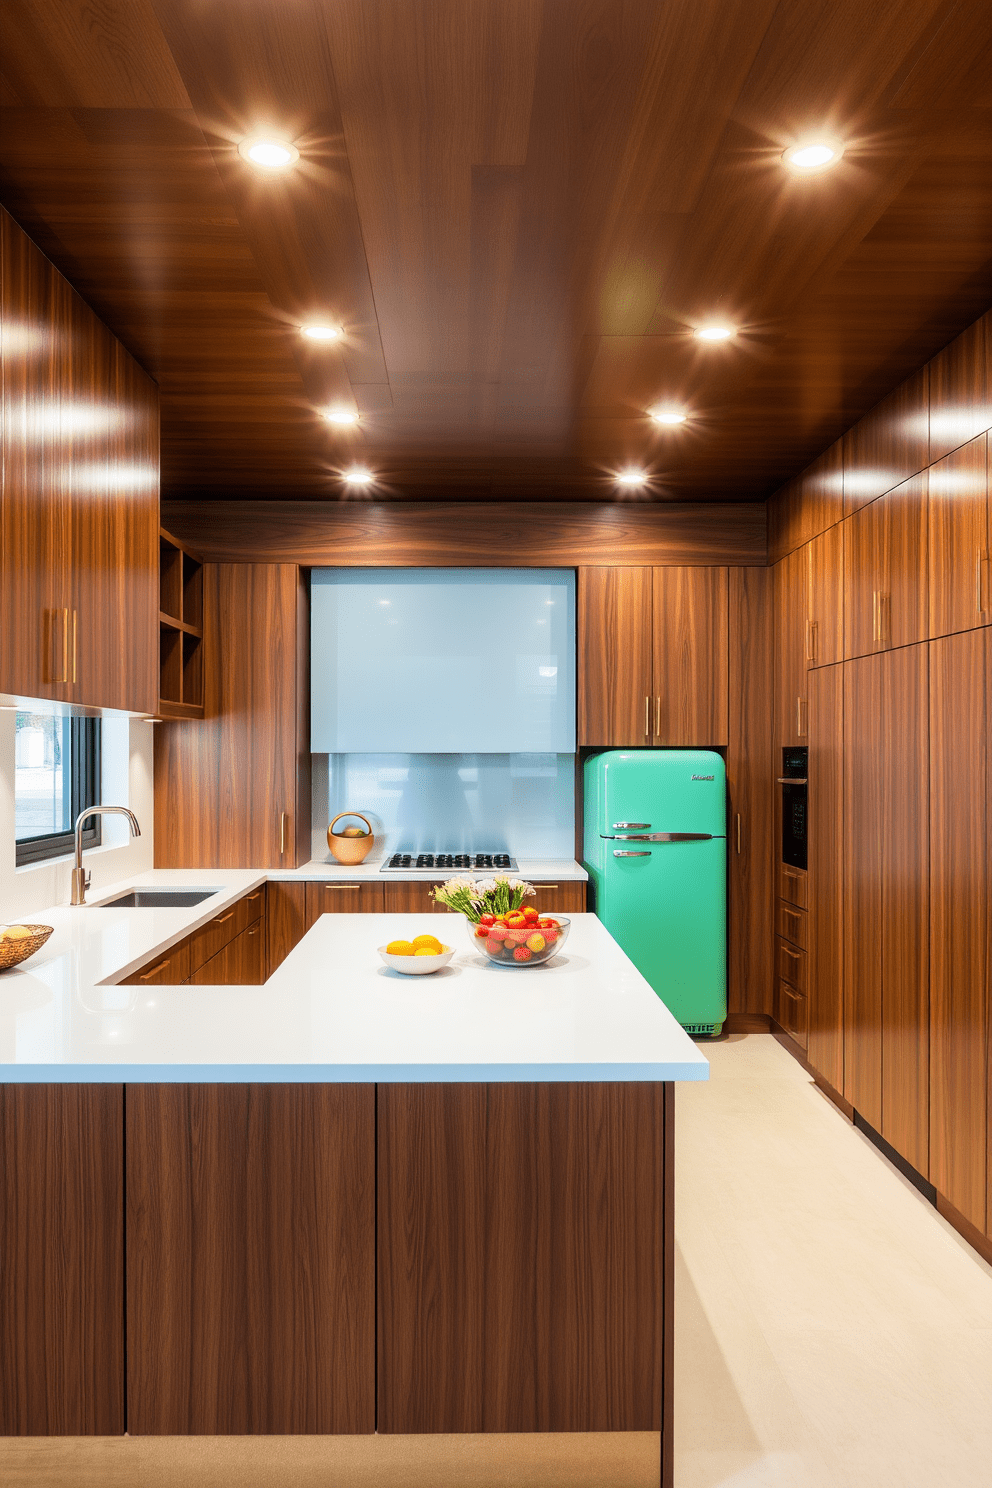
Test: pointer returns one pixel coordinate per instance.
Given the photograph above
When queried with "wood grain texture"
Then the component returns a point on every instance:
(285, 920)
(79, 514)
(689, 689)
(457, 534)
(615, 655)
(341, 898)
(864, 749)
(410, 897)
(961, 389)
(807, 505)
(825, 629)
(251, 1238)
(888, 445)
(824, 922)
(223, 784)
(885, 571)
(960, 919)
(791, 609)
(960, 540)
(61, 1260)
(752, 799)
(522, 1257)
(170, 970)
(241, 963)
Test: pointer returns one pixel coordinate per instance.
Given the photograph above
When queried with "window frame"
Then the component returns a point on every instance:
(84, 790)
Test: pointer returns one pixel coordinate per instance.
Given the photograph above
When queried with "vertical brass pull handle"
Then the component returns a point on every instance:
(982, 566)
(874, 616)
(657, 718)
(647, 718)
(810, 640)
(738, 834)
(880, 602)
(282, 835)
(802, 721)
(74, 617)
(59, 672)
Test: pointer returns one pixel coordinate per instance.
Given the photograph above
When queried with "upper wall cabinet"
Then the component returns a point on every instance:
(653, 656)
(890, 444)
(80, 498)
(961, 389)
(885, 571)
(960, 539)
(791, 609)
(825, 598)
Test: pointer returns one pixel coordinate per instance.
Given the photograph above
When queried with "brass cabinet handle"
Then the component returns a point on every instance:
(647, 718)
(155, 969)
(545, 886)
(880, 601)
(810, 640)
(349, 887)
(282, 835)
(254, 930)
(63, 670)
(223, 919)
(802, 720)
(252, 897)
(982, 567)
(657, 718)
(74, 617)
(738, 834)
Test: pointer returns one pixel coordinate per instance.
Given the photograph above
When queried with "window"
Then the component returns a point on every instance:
(56, 775)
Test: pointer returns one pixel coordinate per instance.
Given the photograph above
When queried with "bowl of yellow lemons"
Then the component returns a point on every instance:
(417, 957)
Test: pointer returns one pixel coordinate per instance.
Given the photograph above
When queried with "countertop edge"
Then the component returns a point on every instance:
(308, 1074)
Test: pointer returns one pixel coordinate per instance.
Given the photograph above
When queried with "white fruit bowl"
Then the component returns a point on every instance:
(416, 965)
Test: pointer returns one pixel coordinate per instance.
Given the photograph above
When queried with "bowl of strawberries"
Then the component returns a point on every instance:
(521, 937)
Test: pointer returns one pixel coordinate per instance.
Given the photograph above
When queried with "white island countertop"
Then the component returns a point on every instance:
(332, 1012)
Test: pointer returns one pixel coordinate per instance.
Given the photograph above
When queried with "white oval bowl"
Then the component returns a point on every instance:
(416, 965)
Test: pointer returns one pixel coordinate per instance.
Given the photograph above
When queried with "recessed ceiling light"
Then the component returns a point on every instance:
(341, 416)
(631, 477)
(668, 416)
(812, 156)
(320, 332)
(715, 332)
(359, 476)
(270, 154)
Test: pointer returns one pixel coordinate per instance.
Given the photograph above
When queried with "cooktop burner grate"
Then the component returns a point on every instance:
(453, 862)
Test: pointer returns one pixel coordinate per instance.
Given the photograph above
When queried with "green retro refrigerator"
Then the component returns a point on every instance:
(655, 846)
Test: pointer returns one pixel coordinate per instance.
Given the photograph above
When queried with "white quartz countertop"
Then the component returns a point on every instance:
(331, 1012)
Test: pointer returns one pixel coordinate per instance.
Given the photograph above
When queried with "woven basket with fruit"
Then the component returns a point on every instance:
(18, 942)
(508, 931)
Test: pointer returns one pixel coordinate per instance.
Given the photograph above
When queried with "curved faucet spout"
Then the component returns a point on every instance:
(81, 880)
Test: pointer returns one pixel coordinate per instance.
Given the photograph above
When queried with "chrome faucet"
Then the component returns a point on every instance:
(81, 880)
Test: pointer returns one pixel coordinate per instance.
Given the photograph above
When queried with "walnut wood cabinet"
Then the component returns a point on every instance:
(61, 1260)
(653, 656)
(885, 571)
(233, 790)
(79, 509)
(791, 610)
(961, 920)
(821, 928)
(359, 897)
(241, 963)
(824, 639)
(285, 920)
(960, 540)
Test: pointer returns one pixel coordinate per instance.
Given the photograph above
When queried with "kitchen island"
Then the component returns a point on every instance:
(345, 1201)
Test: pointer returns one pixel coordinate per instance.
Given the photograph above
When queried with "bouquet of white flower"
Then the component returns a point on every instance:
(474, 897)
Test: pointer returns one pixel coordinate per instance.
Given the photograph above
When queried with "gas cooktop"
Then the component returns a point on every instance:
(452, 862)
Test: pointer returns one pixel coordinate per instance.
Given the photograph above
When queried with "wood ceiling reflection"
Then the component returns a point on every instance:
(518, 209)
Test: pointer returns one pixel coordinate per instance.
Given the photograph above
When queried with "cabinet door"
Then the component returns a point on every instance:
(411, 898)
(689, 688)
(36, 633)
(959, 557)
(825, 624)
(752, 799)
(170, 970)
(232, 790)
(61, 1260)
(340, 898)
(961, 918)
(615, 655)
(561, 898)
(885, 571)
(251, 1259)
(241, 963)
(824, 921)
(791, 602)
(285, 920)
(862, 909)
(114, 525)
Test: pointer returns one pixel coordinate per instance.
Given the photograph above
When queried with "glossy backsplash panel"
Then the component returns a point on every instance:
(522, 804)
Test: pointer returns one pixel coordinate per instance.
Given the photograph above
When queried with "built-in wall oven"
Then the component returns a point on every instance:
(794, 782)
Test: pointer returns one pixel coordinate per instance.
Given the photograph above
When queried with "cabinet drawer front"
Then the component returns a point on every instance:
(221, 930)
(342, 898)
(792, 966)
(565, 898)
(791, 1011)
(792, 924)
(792, 886)
(169, 970)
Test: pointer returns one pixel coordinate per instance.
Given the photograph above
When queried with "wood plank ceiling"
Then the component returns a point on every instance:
(518, 210)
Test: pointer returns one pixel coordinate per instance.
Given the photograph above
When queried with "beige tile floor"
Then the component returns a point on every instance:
(831, 1329)
(832, 1332)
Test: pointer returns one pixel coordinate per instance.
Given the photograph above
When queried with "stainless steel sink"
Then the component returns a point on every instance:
(158, 899)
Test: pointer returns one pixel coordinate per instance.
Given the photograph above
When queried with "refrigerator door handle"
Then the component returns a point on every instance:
(658, 837)
(620, 852)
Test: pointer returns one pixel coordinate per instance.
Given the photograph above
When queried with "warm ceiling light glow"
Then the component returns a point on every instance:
(631, 477)
(359, 476)
(341, 416)
(668, 416)
(715, 332)
(812, 156)
(270, 154)
(320, 332)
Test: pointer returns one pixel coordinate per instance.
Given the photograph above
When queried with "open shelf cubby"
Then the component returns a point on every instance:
(180, 630)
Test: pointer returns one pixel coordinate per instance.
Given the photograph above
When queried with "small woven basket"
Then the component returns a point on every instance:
(13, 952)
(350, 850)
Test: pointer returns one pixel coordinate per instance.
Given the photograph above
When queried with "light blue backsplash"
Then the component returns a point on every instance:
(522, 804)
(442, 659)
